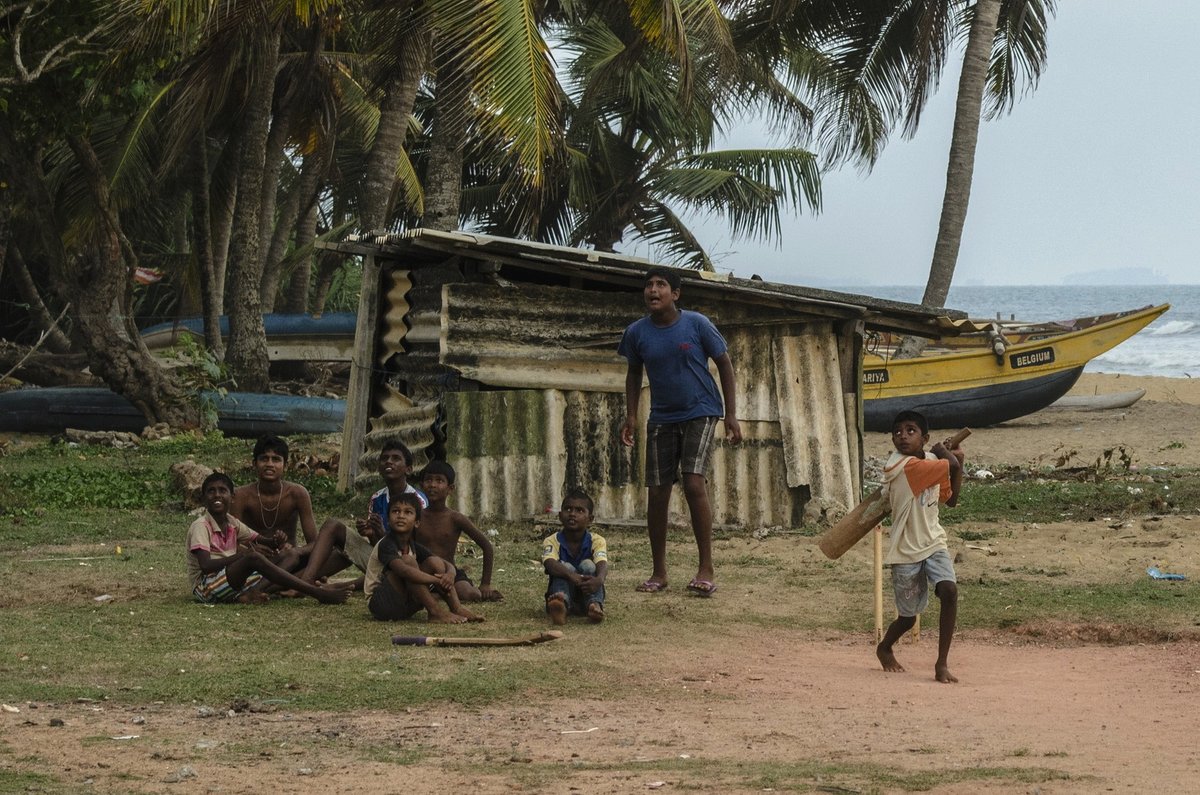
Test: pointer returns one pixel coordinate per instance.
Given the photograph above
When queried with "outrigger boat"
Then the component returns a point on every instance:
(986, 385)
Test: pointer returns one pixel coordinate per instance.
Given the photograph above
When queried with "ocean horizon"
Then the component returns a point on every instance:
(1169, 347)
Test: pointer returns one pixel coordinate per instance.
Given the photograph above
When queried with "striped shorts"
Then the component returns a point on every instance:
(215, 588)
(677, 447)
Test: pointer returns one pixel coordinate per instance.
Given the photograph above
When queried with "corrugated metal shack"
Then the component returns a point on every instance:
(500, 356)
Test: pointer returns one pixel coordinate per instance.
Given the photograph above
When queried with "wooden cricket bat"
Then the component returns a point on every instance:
(874, 508)
(525, 640)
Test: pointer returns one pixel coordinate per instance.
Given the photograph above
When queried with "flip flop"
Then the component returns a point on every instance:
(699, 587)
(651, 586)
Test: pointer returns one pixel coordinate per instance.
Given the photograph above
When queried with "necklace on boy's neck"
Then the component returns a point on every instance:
(264, 510)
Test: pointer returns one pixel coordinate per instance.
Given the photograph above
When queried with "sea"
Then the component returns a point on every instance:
(1168, 347)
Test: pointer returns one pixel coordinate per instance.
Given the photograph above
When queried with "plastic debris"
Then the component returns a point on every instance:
(1162, 575)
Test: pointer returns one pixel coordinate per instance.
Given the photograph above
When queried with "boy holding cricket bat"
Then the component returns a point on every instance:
(916, 483)
(403, 576)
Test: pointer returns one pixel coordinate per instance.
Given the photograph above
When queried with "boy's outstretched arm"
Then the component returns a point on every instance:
(486, 590)
(733, 429)
(633, 396)
(308, 523)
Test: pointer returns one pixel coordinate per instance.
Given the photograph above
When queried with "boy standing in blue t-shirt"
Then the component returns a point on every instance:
(673, 346)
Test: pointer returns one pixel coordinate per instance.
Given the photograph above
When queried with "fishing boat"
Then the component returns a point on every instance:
(245, 414)
(984, 385)
(328, 337)
(998, 333)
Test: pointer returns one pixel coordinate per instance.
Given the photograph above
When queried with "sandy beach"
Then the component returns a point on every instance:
(1158, 430)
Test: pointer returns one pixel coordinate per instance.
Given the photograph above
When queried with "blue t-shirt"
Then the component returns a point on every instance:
(675, 359)
(381, 501)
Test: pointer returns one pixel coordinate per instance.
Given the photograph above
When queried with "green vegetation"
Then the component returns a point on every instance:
(67, 509)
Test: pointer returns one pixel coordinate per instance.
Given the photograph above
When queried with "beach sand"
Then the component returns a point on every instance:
(1158, 430)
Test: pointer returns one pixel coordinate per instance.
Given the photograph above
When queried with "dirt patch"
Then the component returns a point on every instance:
(779, 711)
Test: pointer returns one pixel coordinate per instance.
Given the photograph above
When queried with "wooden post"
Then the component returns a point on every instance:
(362, 362)
(878, 546)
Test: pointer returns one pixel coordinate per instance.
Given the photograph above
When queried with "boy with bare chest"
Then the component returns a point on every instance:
(441, 527)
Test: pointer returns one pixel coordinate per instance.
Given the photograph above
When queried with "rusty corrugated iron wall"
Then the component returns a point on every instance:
(520, 388)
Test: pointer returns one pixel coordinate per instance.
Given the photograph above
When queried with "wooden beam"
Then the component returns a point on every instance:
(358, 397)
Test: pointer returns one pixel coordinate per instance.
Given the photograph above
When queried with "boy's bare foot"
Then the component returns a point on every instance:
(942, 674)
(557, 608)
(890, 663)
(446, 618)
(469, 615)
(595, 612)
(332, 596)
(253, 598)
(290, 593)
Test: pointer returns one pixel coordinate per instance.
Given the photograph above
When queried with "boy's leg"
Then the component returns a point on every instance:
(239, 570)
(658, 499)
(467, 592)
(558, 599)
(939, 569)
(695, 489)
(695, 450)
(392, 601)
(325, 554)
(662, 464)
(451, 599)
(595, 605)
(947, 592)
(909, 581)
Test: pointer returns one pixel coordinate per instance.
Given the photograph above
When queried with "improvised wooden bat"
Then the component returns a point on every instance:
(522, 640)
(874, 508)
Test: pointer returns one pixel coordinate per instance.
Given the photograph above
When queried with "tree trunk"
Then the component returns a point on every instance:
(210, 291)
(45, 369)
(394, 111)
(296, 297)
(246, 353)
(40, 318)
(443, 179)
(96, 284)
(222, 196)
(968, 110)
(960, 171)
(299, 201)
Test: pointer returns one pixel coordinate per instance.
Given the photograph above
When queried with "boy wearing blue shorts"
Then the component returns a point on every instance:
(916, 483)
(672, 346)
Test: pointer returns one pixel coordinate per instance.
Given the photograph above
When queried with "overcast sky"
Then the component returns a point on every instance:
(1097, 170)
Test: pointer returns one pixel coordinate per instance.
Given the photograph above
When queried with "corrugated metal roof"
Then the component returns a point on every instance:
(428, 245)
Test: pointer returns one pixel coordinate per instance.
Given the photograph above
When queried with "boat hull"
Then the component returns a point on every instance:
(978, 388)
(976, 406)
(244, 414)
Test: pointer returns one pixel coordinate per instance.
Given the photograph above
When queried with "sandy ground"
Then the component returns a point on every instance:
(1080, 716)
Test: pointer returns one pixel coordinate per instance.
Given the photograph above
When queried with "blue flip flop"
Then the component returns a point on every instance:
(704, 588)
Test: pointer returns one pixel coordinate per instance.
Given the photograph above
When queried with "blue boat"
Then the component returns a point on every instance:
(245, 414)
(328, 337)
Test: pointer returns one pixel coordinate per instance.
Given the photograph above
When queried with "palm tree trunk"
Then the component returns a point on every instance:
(246, 354)
(210, 292)
(960, 171)
(443, 180)
(967, 112)
(295, 298)
(222, 195)
(298, 202)
(399, 96)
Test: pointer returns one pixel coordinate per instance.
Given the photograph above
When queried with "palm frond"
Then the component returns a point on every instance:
(1020, 53)
(673, 242)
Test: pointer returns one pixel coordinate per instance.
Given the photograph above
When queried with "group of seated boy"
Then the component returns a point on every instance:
(243, 548)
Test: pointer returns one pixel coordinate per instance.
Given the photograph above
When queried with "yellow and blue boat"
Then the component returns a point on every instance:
(985, 386)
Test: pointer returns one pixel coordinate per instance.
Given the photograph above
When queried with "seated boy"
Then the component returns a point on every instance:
(336, 546)
(272, 504)
(576, 561)
(915, 483)
(223, 562)
(441, 527)
(403, 577)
